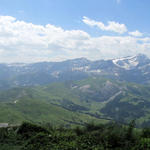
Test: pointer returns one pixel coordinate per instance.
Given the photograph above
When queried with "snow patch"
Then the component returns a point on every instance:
(126, 62)
(95, 71)
(85, 68)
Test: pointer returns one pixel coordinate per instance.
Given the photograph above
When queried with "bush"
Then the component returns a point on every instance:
(27, 130)
(3, 134)
(40, 141)
(146, 133)
(143, 144)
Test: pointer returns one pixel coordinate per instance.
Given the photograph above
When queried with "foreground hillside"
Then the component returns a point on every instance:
(32, 110)
(92, 137)
(77, 102)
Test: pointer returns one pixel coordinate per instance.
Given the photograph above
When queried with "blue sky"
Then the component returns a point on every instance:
(68, 13)
(95, 29)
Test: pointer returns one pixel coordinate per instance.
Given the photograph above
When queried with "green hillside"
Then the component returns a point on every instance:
(40, 111)
(77, 102)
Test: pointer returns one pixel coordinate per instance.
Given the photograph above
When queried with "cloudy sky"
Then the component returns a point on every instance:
(56, 30)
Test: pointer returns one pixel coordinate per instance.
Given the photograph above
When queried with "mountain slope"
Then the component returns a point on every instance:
(84, 100)
(39, 111)
(131, 69)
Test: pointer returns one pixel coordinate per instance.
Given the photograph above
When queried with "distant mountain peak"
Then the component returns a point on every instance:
(142, 57)
(130, 62)
(79, 60)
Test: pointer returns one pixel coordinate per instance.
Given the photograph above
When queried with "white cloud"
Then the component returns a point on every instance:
(26, 42)
(136, 33)
(112, 26)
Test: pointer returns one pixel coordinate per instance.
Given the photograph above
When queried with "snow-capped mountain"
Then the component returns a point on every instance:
(131, 62)
(131, 69)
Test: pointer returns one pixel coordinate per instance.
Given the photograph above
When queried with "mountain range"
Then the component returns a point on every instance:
(75, 92)
(131, 69)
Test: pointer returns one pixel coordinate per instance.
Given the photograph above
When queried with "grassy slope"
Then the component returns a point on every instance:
(40, 111)
(70, 102)
(132, 103)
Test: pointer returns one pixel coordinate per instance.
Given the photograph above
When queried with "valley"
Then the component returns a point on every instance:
(76, 92)
(94, 99)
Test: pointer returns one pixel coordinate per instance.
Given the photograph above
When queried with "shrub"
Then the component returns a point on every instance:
(26, 130)
(146, 133)
(143, 144)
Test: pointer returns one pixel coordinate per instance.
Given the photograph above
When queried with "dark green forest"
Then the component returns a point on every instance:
(111, 136)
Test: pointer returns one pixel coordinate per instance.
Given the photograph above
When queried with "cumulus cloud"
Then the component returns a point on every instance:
(26, 42)
(136, 33)
(112, 26)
